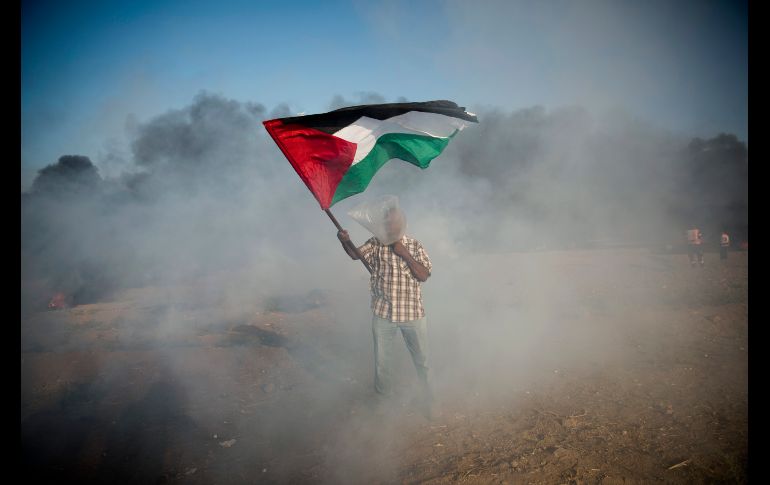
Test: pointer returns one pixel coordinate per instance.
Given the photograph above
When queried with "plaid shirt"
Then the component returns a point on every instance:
(396, 293)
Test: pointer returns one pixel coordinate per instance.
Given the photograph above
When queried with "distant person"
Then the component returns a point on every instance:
(724, 244)
(399, 265)
(695, 246)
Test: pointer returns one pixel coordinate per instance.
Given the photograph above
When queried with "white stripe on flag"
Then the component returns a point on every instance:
(365, 132)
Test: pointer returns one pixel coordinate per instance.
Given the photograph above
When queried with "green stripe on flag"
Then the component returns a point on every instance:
(418, 150)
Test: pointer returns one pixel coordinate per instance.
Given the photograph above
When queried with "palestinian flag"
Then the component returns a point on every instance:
(337, 153)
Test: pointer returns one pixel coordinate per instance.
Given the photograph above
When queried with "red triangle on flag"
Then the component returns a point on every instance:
(320, 159)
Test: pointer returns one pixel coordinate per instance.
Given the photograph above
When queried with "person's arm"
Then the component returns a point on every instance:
(344, 238)
(419, 271)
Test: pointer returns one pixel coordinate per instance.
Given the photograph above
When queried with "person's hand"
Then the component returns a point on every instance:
(400, 249)
(343, 236)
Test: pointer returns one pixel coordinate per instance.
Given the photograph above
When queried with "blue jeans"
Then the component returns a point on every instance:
(415, 335)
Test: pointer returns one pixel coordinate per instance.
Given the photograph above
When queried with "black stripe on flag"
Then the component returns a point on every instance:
(334, 121)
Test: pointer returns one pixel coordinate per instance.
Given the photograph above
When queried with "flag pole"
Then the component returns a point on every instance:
(350, 243)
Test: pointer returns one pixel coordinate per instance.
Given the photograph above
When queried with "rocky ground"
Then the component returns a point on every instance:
(613, 366)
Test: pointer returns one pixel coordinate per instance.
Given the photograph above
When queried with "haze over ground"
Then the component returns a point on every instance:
(600, 123)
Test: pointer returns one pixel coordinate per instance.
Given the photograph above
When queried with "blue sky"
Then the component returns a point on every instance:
(91, 68)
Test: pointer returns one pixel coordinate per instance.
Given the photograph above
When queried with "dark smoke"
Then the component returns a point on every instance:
(714, 179)
(210, 209)
(211, 143)
(574, 179)
(363, 97)
(208, 191)
(87, 237)
(72, 175)
(281, 111)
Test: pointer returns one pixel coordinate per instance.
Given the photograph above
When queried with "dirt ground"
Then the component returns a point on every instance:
(642, 377)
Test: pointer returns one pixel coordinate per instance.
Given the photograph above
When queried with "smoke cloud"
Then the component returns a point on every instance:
(207, 202)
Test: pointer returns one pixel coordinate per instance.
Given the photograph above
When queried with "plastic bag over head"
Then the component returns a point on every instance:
(382, 217)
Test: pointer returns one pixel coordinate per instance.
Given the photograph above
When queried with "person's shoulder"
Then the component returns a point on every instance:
(410, 240)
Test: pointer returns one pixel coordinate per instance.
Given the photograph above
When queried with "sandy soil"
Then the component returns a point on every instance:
(641, 377)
